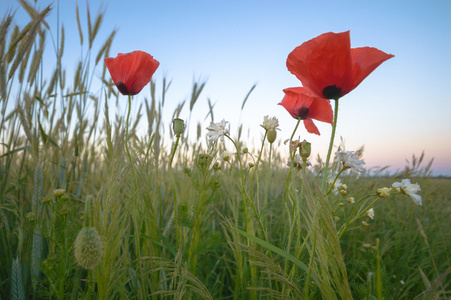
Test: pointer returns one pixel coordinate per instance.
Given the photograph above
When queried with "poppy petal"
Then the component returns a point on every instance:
(365, 60)
(322, 62)
(296, 98)
(301, 103)
(311, 127)
(321, 110)
(131, 71)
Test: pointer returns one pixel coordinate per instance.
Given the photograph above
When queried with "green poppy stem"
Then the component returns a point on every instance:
(331, 145)
(126, 142)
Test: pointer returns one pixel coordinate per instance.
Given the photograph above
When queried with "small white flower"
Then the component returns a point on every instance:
(410, 189)
(217, 130)
(337, 185)
(370, 213)
(350, 161)
(402, 282)
(270, 123)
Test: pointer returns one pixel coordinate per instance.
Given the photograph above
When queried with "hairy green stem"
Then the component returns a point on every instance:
(175, 192)
(126, 142)
(331, 145)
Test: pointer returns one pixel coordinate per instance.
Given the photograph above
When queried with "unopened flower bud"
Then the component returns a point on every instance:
(305, 149)
(341, 204)
(59, 192)
(251, 165)
(88, 248)
(245, 150)
(178, 126)
(351, 200)
(383, 192)
(225, 156)
(364, 224)
(31, 217)
(344, 192)
(271, 135)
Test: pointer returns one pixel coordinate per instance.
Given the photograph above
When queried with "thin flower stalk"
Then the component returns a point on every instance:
(331, 145)
(335, 180)
(361, 212)
(126, 142)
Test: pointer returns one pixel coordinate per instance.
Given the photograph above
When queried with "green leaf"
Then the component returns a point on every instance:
(45, 137)
(15, 150)
(279, 251)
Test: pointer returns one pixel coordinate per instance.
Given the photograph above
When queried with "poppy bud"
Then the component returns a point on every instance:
(178, 126)
(88, 248)
(305, 149)
(271, 135)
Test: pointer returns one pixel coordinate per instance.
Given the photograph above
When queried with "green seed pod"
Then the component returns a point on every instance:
(271, 135)
(88, 248)
(305, 149)
(178, 126)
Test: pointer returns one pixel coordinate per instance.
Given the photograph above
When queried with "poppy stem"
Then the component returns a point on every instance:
(331, 145)
(126, 141)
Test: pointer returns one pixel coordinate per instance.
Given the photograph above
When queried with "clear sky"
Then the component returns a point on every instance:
(401, 109)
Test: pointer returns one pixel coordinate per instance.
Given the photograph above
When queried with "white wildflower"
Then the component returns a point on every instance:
(350, 161)
(410, 189)
(270, 123)
(217, 130)
(370, 213)
(337, 185)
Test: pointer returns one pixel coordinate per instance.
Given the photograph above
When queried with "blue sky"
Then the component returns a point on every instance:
(402, 108)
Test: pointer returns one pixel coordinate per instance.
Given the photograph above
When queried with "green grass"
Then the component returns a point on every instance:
(175, 220)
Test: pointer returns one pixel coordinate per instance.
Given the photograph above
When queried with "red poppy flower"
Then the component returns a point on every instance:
(131, 71)
(330, 68)
(302, 103)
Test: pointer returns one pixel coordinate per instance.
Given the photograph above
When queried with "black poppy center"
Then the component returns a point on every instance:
(122, 88)
(332, 92)
(303, 112)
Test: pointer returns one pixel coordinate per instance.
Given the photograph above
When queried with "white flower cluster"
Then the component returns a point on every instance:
(217, 130)
(270, 123)
(350, 161)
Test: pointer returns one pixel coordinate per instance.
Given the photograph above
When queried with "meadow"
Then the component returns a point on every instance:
(90, 209)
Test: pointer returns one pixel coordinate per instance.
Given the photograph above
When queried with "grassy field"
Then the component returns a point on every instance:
(83, 218)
